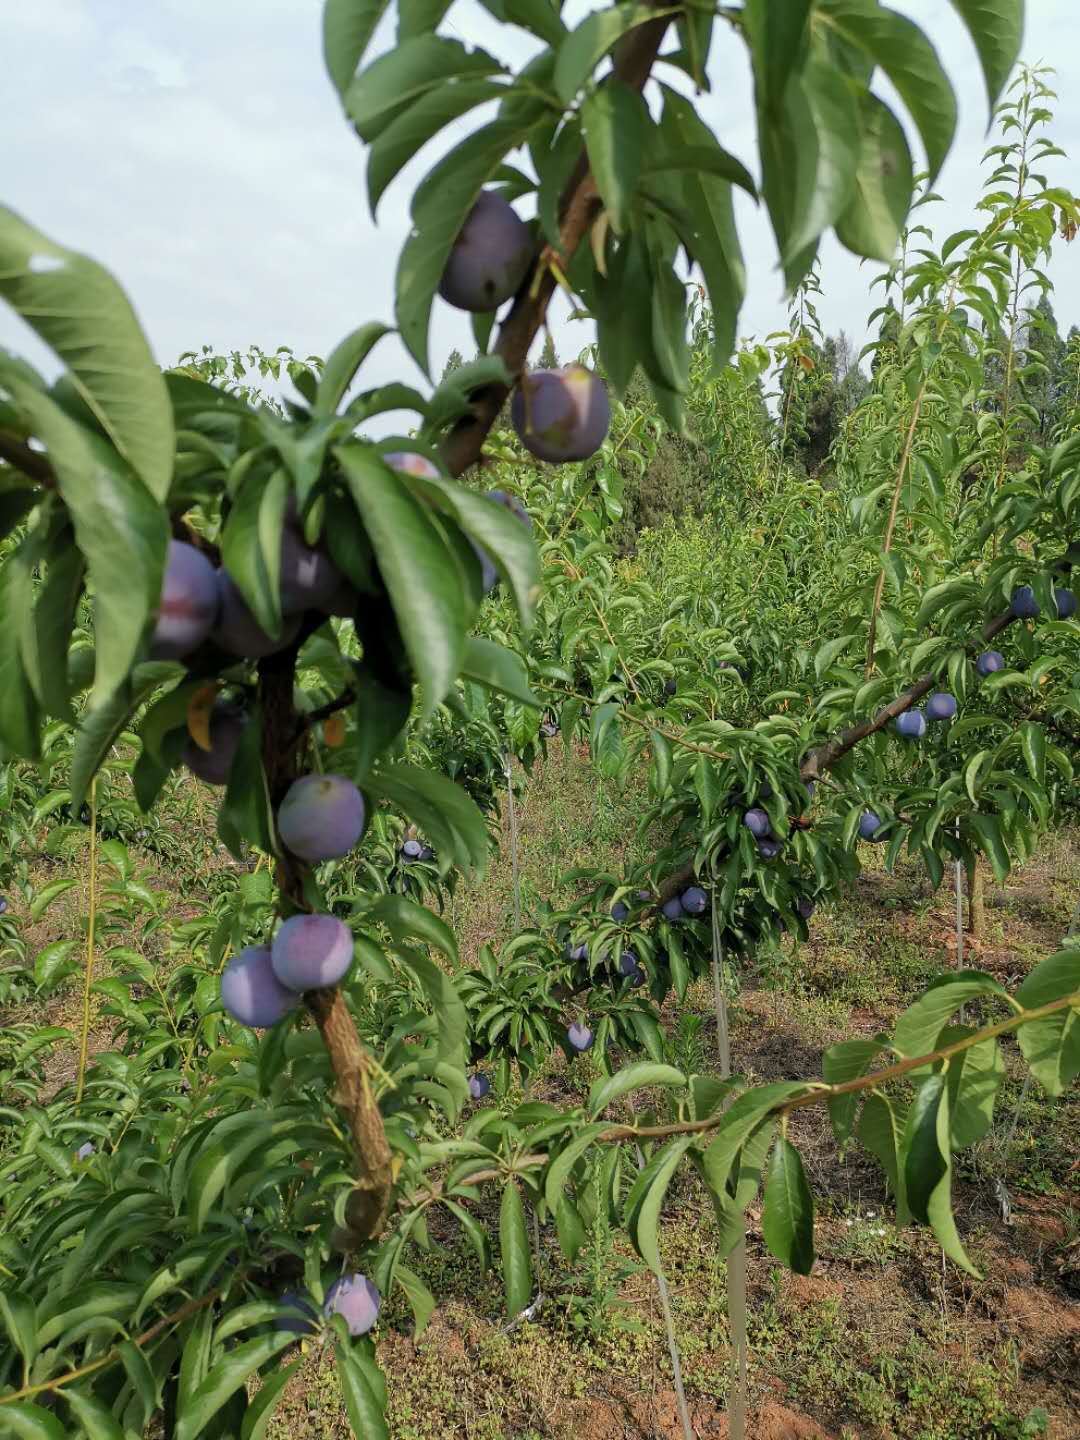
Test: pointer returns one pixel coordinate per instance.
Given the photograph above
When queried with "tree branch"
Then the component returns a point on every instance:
(30, 463)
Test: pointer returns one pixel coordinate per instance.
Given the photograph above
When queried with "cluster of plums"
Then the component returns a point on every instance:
(912, 723)
(559, 415)
(321, 817)
(1025, 607)
(353, 1297)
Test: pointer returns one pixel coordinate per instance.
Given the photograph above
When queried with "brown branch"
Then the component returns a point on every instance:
(30, 463)
(578, 208)
(311, 718)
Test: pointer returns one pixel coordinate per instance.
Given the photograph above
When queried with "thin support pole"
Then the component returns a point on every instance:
(91, 927)
(736, 1265)
(959, 874)
(672, 1341)
(513, 840)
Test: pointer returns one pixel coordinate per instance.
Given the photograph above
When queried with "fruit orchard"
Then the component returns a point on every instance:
(852, 642)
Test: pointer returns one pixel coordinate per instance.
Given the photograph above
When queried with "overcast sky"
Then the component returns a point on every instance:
(197, 148)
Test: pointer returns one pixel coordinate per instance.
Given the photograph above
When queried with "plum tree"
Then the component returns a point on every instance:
(310, 952)
(356, 1300)
(250, 991)
(869, 825)
(237, 630)
(189, 603)
(489, 258)
(1023, 603)
(579, 1036)
(479, 1086)
(911, 724)
(694, 900)
(321, 817)
(227, 724)
(941, 706)
(758, 823)
(990, 661)
(561, 415)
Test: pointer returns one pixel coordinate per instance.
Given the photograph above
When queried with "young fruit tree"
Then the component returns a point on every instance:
(262, 595)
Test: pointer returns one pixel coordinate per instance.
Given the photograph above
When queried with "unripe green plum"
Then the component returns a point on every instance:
(189, 603)
(250, 991)
(311, 952)
(321, 817)
(238, 631)
(226, 728)
(562, 414)
(490, 256)
(356, 1299)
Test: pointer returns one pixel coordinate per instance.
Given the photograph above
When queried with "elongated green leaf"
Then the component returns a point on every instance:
(586, 45)
(447, 1005)
(997, 29)
(79, 310)
(348, 26)
(442, 810)
(245, 817)
(514, 1250)
(881, 1131)
(234, 1369)
(558, 1171)
(825, 189)
(974, 1078)
(260, 1410)
(365, 1406)
(391, 83)
(25, 1421)
(1051, 1046)
(901, 49)
(498, 669)
(407, 920)
(848, 1060)
(344, 361)
(420, 1298)
(916, 1031)
(644, 1215)
(19, 1315)
(778, 35)
(924, 1164)
(119, 527)
(251, 545)
(988, 830)
(92, 1415)
(871, 224)
(417, 568)
(787, 1220)
(633, 1077)
(100, 729)
(19, 713)
(616, 123)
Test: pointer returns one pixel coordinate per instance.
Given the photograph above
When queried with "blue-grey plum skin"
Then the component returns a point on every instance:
(1023, 603)
(561, 415)
(869, 824)
(1065, 604)
(769, 849)
(226, 728)
(672, 909)
(989, 662)
(941, 706)
(321, 817)
(356, 1299)
(757, 822)
(628, 962)
(694, 900)
(911, 724)
(250, 991)
(296, 1324)
(805, 906)
(579, 1037)
(312, 952)
(189, 603)
(619, 912)
(237, 630)
(479, 1086)
(490, 256)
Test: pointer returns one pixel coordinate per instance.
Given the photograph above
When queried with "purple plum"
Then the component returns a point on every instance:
(672, 909)
(941, 706)
(694, 900)
(343, 602)
(911, 724)
(757, 822)
(298, 1307)
(3, 905)
(579, 1036)
(1065, 604)
(408, 462)
(619, 912)
(805, 906)
(628, 962)
(189, 603)
(250, 991)
(490, 257)
(769, 848)
(356, 1299)
(479, 1086)
(990, 661)
(561, 414)
(321, 817)
(1023, 603)
(84, 1151)
(411, 850)
(576, 952)
(671, 687)
(311, 952)
(226, 727)
(237, 630)
(309, 578)
(869, 825)
(427, 853)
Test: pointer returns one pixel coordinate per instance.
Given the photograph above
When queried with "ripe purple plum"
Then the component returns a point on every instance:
(694, 900)
(490, 257)
(1065, 604)
(300, 1315)
(628, 962)
(941, 706)
(408, 462)
(757, 822)
(562, 414)
(1023, 603)
(869, 825)
(989, 662)
(619, 912)
(576, 952)
(479, 1086)
(343, 602)
(311, 952)
(411, 850)
(189, 603)
(84, 1151)
(671, 687)
(805, 906)
(3, 905)
(250, 991)
(227, 724)
(579, 1036)
(769, 848)
(237, 630)
(309, 578)
(672, 909)
(321, 817)
(911, 724)
(356, 1299)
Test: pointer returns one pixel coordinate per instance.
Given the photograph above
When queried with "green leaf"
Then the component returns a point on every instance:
(647, 1197)
(417, 568)
(447, 1005)
(225, 1379)
(251, 545)
(440, 206)
(20, 729)
(498, 669)
(845, 1061)
(616, 124)
(916, 1031)
(406, 920)
(344, 361)
(997, 29)
(741, 1120)
(824, 188)
(880, 1131)
(363, 1402)
(392, 82)
(829, 652)
(260, 1408)
(78, 309)
(777, 37)
(974, 1078)
(632, 1077)
(787, 1220)
(1033, 747)
(661, 773)
(1051, 1046)
(19, 1315)
(901, 49)
(928, 1167)
(558, 1170)
(585, 46)
(420, 1298)
(119, 527)
(514, 1250)
(31, 1422)
(988, 832)
(100, 729)
(382, 713)
(884, 181)
(92, 1415)
(244, 817)
(446, 815)
(348, 26)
